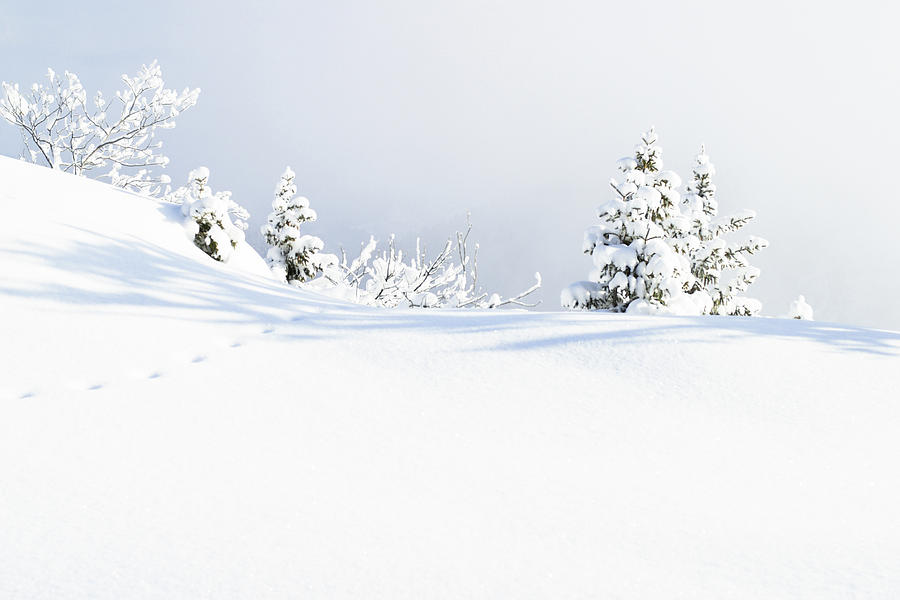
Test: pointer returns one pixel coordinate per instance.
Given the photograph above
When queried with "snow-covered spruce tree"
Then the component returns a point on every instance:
(801, 310)
(720, 268)
(389, 279)
(293, 256)
(640, 247)
(62, 130)
(209, 216)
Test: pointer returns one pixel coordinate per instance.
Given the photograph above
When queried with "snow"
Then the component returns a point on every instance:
(580, 293)
(175, 427)
(670, 177)
(645, 197)
(626, 164)
(801, 310)
(620, 255)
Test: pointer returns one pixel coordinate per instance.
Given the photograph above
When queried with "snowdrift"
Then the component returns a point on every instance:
(173, 427)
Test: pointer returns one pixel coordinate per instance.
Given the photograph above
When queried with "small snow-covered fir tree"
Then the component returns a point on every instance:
(209, 216)
(294, 256)
(801, 310)
(720, 268)
(639, 249)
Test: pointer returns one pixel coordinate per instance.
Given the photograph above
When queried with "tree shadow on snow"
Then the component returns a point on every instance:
(713, 328)
(154, 281)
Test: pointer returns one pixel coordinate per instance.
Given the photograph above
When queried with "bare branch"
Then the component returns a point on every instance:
(58, 126)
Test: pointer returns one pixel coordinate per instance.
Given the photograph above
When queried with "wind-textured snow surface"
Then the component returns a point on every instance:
(176, 428)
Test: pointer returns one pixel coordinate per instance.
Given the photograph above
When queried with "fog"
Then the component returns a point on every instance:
(399, 117)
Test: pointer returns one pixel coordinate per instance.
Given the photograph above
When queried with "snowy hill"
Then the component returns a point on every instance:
(173, 427)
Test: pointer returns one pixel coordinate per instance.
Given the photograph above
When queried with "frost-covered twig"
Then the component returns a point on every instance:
(518, 299)
(388, 280)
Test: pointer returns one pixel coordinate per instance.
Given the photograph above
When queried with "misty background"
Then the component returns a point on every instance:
(399, 117)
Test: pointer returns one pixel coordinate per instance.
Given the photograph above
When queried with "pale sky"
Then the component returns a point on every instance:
(401, 116)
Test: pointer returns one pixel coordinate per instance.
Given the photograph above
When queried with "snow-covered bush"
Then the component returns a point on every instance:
(640, 247)
(390, 279)
(801, 310)
(209, 216)
(61, 129)
(294, 257)
(720, 268)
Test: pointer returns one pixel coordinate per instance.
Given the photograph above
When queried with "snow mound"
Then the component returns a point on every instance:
(174, 427)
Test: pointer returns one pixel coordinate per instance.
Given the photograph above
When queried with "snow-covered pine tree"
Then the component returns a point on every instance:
(209, 216)
(801, 310)
(720, 269)
(639, 249)
(291, 255)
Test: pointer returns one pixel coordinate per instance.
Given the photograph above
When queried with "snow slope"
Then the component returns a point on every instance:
(171, 427)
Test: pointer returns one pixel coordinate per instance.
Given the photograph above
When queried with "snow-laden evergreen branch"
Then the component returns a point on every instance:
(63, 130)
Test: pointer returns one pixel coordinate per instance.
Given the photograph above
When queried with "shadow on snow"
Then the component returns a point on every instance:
(164, 284)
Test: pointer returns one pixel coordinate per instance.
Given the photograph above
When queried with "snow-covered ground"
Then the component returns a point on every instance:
(172, 427)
